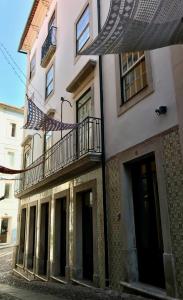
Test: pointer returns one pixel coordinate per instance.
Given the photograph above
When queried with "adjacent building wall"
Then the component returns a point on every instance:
(9, 206)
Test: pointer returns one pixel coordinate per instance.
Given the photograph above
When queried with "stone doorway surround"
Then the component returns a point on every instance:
(129, 251)
(46, 200)
(77, 269)
(22, 236)
(54, 272)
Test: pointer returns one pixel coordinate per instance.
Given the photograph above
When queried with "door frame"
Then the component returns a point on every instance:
(59, 196)
(43, 201)
(129, 251)
(77, 272)
(25, 206)
(32, 204)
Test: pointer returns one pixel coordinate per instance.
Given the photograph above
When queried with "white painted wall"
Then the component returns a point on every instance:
(9, 207)
(66, 68)
(140, 122)
(137, 124)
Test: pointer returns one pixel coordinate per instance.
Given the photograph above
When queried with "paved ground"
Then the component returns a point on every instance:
(12, 287)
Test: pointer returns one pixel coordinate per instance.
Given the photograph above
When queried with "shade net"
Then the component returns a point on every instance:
(5, 170)
(38, 120)
(135, 25)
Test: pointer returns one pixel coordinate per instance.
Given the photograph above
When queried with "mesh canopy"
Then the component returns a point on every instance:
(38, 120)
(135, 25)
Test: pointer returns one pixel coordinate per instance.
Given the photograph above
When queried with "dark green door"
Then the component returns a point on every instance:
(87, 228)
(63, 237)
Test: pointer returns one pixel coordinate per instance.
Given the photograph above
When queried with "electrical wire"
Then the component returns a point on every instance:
(11, 61)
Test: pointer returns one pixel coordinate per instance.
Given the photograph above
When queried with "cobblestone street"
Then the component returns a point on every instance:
(13, 287)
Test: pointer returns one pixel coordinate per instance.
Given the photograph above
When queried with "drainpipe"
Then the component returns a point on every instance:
(103, 154)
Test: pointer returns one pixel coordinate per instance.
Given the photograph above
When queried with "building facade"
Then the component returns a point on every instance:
(10, 156)
(62, 216)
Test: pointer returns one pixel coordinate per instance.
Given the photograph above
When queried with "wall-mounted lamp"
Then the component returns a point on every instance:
(162, 110)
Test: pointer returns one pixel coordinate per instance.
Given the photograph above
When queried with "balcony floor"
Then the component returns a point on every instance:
(86, 163)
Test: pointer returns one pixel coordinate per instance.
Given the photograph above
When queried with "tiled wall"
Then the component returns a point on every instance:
(173, 168)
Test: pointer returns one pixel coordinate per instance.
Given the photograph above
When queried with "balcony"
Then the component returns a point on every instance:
(77, 152)
(49, 47)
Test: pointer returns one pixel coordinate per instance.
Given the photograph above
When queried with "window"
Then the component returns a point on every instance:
(83, 30)
(48, 137)
(27, 158)
(4, 226)
(84, 107)
(133, 74)
(13, 129)
(49, 81)
(52, 22)
(32, 66)
(85, 130)
(8, 190)
(11, 159)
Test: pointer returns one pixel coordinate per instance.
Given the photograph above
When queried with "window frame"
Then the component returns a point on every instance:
(8, 192)
(77, 50)
(32, 71)
(81, 97)
(122, 108)
(52, 20)
(11, 164)
(122, 76)
(52, 81)
(13, 130)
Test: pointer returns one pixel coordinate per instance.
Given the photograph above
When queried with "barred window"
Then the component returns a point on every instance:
(133, 74)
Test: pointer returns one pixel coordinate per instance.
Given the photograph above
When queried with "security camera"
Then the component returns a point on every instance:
(162, 110)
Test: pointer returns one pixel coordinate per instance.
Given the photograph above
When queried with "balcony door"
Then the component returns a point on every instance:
(84, 110)
(147, 222)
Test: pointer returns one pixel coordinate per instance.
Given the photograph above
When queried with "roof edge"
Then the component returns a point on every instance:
(27, 26)
(12, 108)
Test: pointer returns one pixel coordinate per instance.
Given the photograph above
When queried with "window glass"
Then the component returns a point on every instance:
(32, 66)
(28, 158)
(83, 29)
(13, 129)
(134, 75)
(4, 226)
(49, 135)
(49, 81)
(8, 190)
(52, 22)
(84, 107)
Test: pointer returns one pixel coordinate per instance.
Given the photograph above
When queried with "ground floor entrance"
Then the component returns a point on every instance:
(44, 238)
(147, 219)
(87, 235)
(32, 236)
(60, 236)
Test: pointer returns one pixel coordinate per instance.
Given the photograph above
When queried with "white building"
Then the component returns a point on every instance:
(11, 120)
(63, 204)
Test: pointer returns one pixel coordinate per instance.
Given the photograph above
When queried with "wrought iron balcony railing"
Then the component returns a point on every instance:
(49, 47)
(85, 139)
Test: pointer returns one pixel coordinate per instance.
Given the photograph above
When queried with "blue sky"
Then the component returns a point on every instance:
(13, 16)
